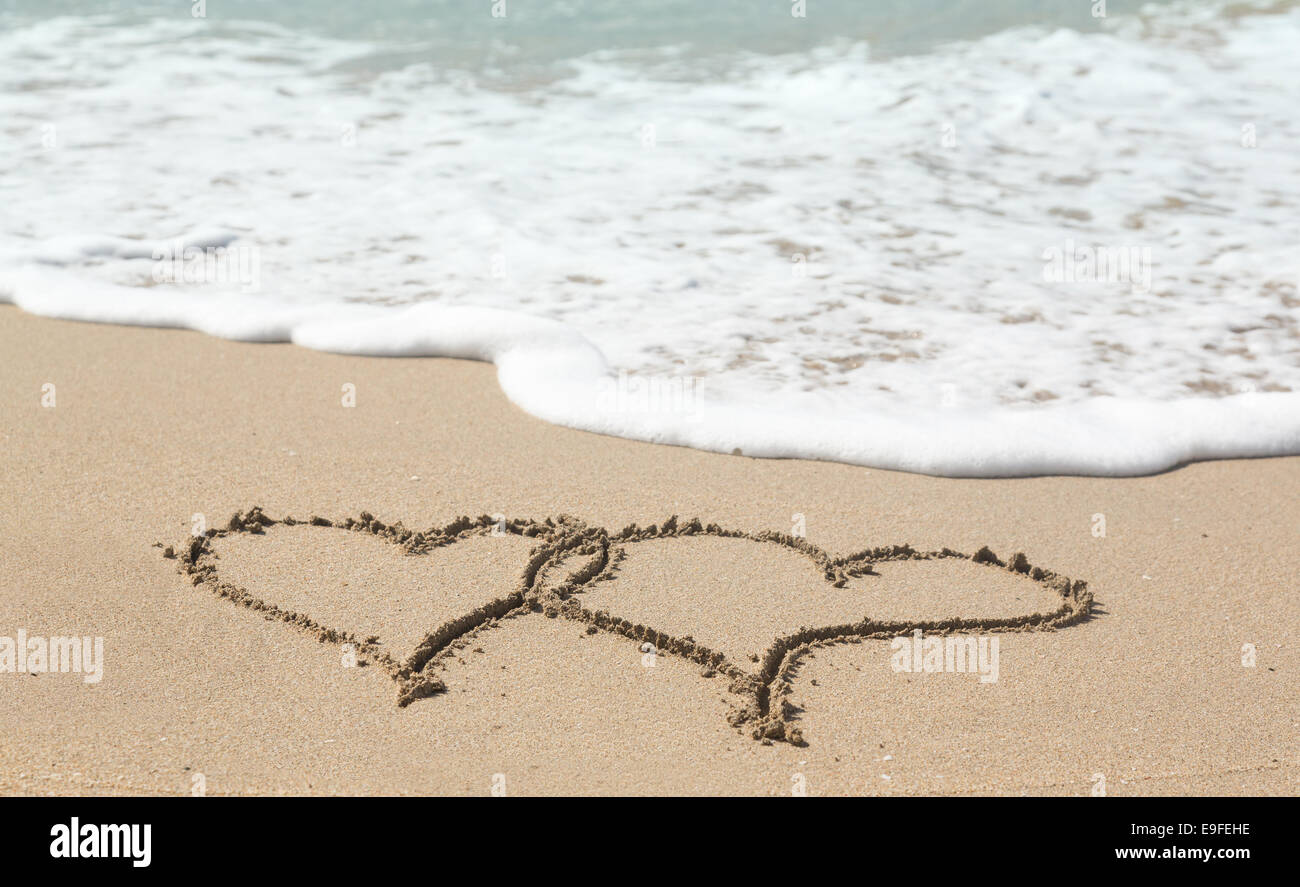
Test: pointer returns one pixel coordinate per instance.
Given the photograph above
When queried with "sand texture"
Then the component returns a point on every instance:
(431, 592)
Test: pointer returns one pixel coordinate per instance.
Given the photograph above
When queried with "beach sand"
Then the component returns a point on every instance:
(1145, 692)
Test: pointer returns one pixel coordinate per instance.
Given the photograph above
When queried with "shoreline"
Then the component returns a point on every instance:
(553, 372)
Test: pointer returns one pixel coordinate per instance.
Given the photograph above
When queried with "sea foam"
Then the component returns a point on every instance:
(1035, 252)
(554, 373)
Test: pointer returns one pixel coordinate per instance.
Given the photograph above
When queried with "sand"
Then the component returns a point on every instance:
(546, 645)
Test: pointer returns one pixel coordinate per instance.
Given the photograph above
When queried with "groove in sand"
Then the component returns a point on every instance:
(765, 709)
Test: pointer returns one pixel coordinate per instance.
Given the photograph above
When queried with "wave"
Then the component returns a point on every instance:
(1036, 252)
(554, 373)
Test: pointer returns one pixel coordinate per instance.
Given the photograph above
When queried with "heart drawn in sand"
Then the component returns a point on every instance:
(566, 563)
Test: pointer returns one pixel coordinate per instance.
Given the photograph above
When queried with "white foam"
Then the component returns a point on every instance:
(74, 249)
(554, 373)
(619, 242)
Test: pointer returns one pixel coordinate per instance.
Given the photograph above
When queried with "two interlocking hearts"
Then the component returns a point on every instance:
(565, 566)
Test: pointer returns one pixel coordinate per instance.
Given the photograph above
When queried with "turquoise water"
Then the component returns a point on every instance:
(465, 33)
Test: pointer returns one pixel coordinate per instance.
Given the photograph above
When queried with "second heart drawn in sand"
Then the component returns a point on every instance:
(566, 565)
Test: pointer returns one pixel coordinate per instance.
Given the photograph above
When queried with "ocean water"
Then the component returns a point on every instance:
(960, 238)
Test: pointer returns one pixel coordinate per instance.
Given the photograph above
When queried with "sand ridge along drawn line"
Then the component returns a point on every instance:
(765, 710)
